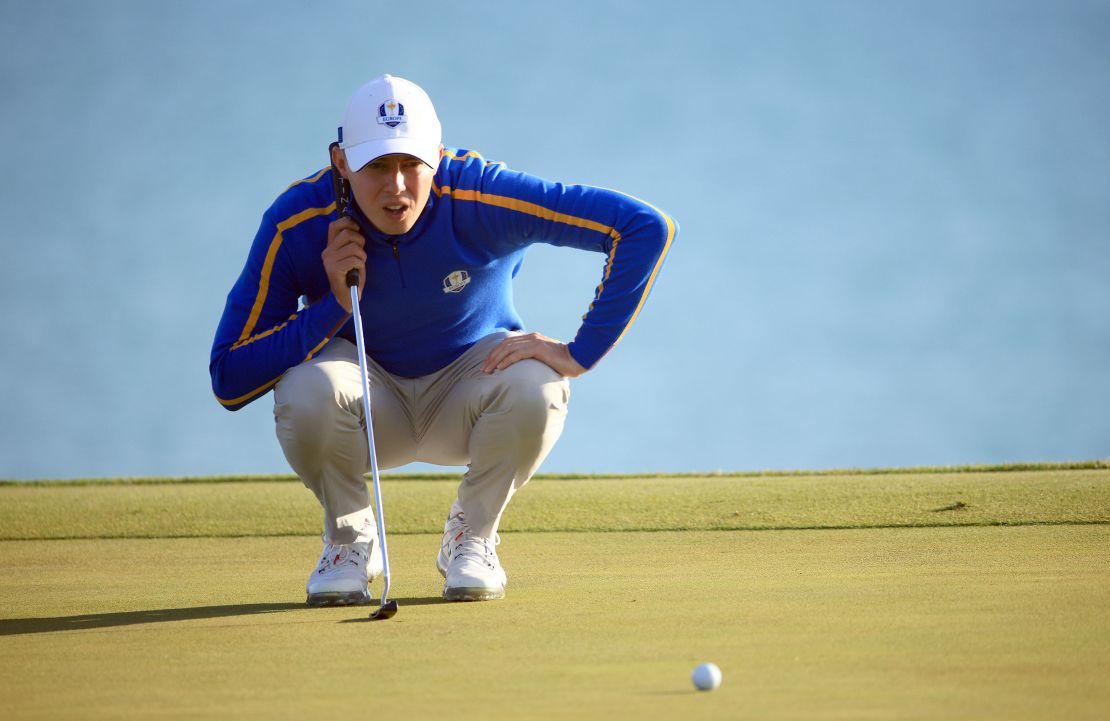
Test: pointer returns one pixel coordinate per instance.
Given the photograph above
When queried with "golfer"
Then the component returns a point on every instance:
(437, 234)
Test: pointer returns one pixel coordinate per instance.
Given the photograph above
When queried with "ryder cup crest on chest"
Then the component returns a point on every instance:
(456, 281)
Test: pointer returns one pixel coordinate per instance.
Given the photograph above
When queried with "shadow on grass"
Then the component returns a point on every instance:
(17, 626)
(20, 626)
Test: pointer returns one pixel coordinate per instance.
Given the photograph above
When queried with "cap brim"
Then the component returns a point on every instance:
(361, 154)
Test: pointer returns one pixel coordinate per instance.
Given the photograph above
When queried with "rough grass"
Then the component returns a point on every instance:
(279, 508)
(265, 478)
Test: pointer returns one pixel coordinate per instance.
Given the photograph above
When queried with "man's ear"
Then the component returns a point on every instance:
(339, 160)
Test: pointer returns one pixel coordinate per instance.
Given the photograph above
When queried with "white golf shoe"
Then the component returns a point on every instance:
(469, 564)
(343, 573)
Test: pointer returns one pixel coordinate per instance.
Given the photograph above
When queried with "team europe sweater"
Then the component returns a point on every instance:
(435, 291)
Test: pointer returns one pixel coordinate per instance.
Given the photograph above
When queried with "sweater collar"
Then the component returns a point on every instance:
(371, 233)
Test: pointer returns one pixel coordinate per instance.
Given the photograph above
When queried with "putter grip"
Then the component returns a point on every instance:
(352, 277)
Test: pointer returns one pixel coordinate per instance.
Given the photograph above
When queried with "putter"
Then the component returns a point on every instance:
(386, 608)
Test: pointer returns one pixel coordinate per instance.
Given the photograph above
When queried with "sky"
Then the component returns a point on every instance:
(895, 218)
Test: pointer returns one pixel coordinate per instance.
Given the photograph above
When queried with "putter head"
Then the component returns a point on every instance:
(386, 610)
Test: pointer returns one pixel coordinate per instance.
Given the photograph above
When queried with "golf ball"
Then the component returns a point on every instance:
(707, 677)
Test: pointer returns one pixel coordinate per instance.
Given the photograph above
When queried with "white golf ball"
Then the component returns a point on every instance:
(707, 677)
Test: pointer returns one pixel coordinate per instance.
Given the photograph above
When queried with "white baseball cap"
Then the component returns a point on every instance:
(389, 115)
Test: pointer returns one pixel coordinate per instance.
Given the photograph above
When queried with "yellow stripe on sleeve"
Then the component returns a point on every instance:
(523, 206)
(472, 154)
(263, 334)
(313, 179)
(270, 384)
(540, 211)
(247, 396)
(654, 271)
(268, 266)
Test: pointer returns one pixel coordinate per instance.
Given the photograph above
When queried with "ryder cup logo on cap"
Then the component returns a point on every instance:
(390, 115)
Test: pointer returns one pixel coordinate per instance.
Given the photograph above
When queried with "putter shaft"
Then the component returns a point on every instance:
(361, 345)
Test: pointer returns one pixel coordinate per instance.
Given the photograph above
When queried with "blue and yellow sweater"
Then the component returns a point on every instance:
(436, 290)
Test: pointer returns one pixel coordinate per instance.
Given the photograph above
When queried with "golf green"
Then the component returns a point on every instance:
(1000, 615)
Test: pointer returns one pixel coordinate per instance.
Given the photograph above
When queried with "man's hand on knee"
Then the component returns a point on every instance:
(553, 353)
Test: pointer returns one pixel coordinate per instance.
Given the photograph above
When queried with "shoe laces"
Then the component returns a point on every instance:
(336, 555)
(452, 530)
(478, 548)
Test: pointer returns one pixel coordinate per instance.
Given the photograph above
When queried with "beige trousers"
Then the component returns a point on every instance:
(501, 426)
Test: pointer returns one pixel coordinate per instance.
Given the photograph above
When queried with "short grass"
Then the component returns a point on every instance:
(916, 595)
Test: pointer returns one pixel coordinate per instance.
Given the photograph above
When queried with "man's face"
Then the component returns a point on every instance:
(392, 191)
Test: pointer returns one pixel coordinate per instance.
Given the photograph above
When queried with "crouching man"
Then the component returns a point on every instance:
(437, 234)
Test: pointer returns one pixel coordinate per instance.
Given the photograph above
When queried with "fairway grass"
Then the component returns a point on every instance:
(998, 615)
